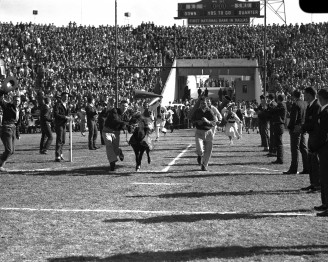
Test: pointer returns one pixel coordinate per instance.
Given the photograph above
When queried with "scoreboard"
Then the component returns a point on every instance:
(219, 12)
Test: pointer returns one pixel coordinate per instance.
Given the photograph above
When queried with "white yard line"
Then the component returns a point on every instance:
(262, 168)
(167, 212)
(176, 159)
(161, 184)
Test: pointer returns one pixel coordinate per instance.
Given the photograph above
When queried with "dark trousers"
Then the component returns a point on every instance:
(278, 130)
(272, 139)
(264, 133)
(313, 168)
(101, 137)
(323, 156)
(8, 137)
(60, 139)
(46, 137)
(298, 144)
(93, 132)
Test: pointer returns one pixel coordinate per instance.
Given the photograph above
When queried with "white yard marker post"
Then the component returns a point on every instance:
(70, 141)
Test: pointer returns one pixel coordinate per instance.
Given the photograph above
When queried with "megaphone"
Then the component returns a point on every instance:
(9, 84)
(145, 94)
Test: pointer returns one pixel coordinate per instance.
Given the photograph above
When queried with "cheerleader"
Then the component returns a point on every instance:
(231, 128)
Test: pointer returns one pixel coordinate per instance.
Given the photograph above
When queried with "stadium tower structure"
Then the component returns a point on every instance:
(277, 7)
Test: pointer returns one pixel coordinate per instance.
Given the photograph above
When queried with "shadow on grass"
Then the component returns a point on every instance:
(185, 218)
(91, 171)
(213, 156)
(214, 174)
(218, 252)
(259, 163)
(215, 194)
(80, 171)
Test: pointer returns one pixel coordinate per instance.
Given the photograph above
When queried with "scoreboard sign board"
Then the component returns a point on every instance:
(219, 11)
(219, 21)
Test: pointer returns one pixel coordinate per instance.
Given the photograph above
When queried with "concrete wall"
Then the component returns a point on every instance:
(170, 87)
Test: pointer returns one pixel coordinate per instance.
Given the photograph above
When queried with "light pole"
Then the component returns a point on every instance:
(116, 69)
(265, 49)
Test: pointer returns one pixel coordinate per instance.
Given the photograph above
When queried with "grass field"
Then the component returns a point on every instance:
(242, 209)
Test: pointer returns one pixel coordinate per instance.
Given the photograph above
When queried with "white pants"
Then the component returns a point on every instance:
(160, 126)
(112, 142)
(204, 144)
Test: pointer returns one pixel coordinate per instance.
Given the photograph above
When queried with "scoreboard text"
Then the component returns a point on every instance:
(219, 10)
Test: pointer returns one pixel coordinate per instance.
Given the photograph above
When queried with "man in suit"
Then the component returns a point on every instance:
(61, 115)
(277, 115)
(297, 137)
(320, 146)
(91, 113)
(45, 123)
(310, 126)
(263, 124)
(10, 123)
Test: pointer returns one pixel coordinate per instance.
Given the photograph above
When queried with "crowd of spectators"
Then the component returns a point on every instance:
(48, 59)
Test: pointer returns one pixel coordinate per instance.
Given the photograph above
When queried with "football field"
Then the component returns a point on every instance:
(242, 209)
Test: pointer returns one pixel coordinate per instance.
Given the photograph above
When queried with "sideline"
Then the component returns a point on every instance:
(176, 159)
(167, 212)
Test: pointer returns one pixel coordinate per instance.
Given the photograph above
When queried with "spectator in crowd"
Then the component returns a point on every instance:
(310, 126)
(297, 137)
(45, 123)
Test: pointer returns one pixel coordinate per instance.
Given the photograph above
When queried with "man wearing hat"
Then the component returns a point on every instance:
(320, 146)
(61, 116)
